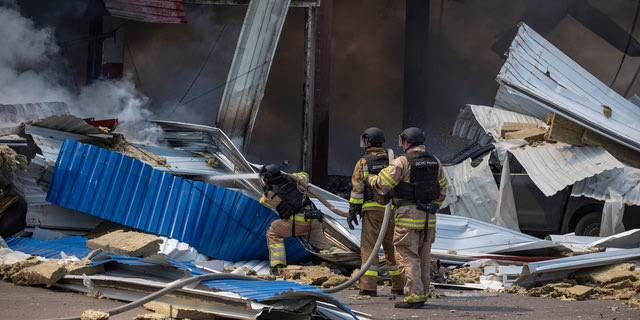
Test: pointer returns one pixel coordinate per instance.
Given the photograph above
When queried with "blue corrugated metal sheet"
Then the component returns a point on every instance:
(72, 246)
(219, 222)
(77, 246)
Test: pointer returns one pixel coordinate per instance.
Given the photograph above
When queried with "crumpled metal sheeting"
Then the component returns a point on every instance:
(469, 235)
(484, 124)
(218, 222)
(471, 191)
(546, 76)
(11, 115)
(622, 180)
(555, 166)
(68, 123)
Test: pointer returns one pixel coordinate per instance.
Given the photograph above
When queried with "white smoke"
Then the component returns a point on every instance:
(27, 54)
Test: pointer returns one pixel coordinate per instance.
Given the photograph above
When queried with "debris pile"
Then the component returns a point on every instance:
(320, 276)
(613, 282)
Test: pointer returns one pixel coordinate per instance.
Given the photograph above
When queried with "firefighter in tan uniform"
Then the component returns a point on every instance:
(418, 185)
(370, 206)
(286, 193)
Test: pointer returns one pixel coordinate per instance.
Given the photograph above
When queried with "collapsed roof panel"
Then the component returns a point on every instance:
(482, 123)
(471, 191)
(625, 181)
(219, 222)
(555, 166)
(466, 235)
(538, 74)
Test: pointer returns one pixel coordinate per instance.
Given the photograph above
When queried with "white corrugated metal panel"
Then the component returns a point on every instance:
(471, 191)
(67, 123)
(547, 77)
(474, 122)
(555, 166)
(625, 181)
(466, 235)
(250, 68)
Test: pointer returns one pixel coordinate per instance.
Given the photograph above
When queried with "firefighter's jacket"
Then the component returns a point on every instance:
(360, 173)
(399, 169)
(271, 199)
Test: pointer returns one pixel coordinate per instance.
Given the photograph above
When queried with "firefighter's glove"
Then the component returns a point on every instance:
(354, 211)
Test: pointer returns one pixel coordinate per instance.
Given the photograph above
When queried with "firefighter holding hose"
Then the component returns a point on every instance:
(418, 185)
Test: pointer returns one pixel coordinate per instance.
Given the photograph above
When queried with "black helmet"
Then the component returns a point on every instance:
(269, 171)
(412, 135)
(374, 135)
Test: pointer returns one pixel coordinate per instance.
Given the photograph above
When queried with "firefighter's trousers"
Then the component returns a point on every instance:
(371, 224)
(414, 254)
(281, 229)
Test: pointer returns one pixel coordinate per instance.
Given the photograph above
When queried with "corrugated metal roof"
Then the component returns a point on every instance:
(250, 68)
(255, 290)
(553, 166)
(219, 222)
(11, 115)
(72, 246)
(68, 123)
(582, 261)
(154, 11)
(624, 180)
(538, 74)
(484, 124)
(466, 235)
(471, 191)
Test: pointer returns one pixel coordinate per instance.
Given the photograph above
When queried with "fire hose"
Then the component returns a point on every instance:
(374, 253)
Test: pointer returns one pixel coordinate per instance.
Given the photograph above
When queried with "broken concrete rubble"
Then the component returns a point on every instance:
(127, 243)
(177, 311)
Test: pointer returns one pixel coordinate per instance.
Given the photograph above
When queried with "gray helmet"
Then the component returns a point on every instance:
(412, 135)
(269, 171)
(374, 135)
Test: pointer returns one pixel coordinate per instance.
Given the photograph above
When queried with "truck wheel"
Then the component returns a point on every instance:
(589, 225)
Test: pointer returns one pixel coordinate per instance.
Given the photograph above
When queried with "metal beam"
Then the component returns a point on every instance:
(309, 78)
(294, 3)
(321, 95)
(250, 69)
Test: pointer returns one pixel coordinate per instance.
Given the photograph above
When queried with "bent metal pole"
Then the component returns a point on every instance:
(374, 252)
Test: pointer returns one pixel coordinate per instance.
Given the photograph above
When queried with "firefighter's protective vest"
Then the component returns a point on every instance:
(423, 183)
(373, 165)
(293, 200)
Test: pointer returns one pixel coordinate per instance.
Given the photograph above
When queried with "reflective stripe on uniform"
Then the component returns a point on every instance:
(393, 270)
(432, 223)
(442, 181)
(334, 249)
(277, 254)
(372, 273)
(387, 178)
(416, 223)
(262, 202)
(373, 204)
(356, 195)
(414, 299)
(299, 217)
(356, 200)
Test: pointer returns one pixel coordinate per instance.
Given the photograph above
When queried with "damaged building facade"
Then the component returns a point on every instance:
(99, 197)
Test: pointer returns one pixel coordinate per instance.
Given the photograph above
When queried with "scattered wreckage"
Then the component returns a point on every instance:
(64, 176)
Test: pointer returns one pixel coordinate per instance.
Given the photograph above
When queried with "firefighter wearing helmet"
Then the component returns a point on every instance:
(418, 185)
(370, 206)
(286, 194)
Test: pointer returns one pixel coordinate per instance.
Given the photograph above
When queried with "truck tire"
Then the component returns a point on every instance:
(589, 225)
